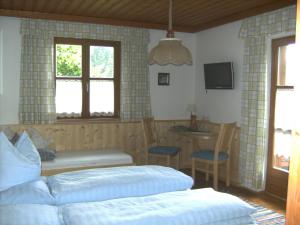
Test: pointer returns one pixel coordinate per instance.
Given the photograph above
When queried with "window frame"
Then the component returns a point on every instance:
(85, 78)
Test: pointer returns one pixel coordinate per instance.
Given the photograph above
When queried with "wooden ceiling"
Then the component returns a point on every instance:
(188, 15)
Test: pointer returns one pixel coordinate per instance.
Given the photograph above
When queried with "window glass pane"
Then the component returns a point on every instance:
(68, 60)
(286, 65)
(101, 98)
(68, 97)
(291, 64)
(101, 61)
(283, 124)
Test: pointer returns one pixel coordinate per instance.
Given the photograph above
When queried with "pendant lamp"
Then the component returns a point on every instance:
(170, 49)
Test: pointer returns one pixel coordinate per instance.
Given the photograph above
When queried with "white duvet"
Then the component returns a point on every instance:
(192, 207)
(116, 182)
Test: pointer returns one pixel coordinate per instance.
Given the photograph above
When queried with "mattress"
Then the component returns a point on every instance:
(77, 159)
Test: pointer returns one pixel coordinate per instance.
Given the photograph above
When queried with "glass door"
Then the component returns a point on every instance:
(281, 115)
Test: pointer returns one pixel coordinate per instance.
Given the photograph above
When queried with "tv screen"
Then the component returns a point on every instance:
(218, 75)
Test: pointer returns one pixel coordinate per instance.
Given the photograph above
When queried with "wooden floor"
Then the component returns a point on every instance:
(263, 199)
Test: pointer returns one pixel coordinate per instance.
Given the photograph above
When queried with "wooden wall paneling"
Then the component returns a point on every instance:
(89, 132)
(90, 141)
(140, 144)
(81, 140)
(106, 133)
(75, 134)
(95, 137)
(113, 139)
(132, 140)
(126, 136)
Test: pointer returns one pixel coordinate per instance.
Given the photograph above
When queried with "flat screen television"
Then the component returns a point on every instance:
(219, 75)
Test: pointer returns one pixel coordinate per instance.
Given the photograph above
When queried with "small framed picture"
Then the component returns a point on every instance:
(163, 79)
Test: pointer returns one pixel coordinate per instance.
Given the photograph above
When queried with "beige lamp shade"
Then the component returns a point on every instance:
(170, 51)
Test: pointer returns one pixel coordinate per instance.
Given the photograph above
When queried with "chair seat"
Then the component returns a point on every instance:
(164, 150)
(209, 155)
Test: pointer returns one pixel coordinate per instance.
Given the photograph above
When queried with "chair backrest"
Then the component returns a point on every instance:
(225, 138)
(208, 125)
(149, 131)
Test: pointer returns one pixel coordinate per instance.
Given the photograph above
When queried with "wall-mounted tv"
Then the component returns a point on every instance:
(219, 75)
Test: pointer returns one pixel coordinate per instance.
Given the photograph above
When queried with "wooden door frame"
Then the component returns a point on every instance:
(273, 175)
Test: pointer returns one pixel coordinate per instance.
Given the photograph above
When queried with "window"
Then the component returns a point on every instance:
(87, 74)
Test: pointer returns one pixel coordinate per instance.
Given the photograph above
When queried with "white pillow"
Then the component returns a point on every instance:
(16, 167)
(25, 146)
(32, 192)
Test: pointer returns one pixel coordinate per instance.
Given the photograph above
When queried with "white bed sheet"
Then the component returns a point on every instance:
(89, 158)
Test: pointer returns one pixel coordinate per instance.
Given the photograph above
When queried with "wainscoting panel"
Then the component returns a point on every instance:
(128, 136)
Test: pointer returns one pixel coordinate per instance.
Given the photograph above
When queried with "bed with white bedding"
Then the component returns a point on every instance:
(143, 195)
(191, 207)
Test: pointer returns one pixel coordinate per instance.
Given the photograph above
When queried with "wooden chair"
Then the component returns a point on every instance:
(219, 155)
(152, 147)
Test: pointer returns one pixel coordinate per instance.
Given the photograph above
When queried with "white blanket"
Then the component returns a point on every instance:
(117, 182)
(192, 207)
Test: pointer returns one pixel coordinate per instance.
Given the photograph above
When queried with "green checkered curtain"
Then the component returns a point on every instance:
(256, 31)
(37, 102)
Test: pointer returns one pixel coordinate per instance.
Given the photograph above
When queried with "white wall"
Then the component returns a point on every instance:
(9, 99)
(170, 102)
(219, 44)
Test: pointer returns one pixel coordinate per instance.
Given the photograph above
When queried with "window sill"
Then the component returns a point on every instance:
(87, 120)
